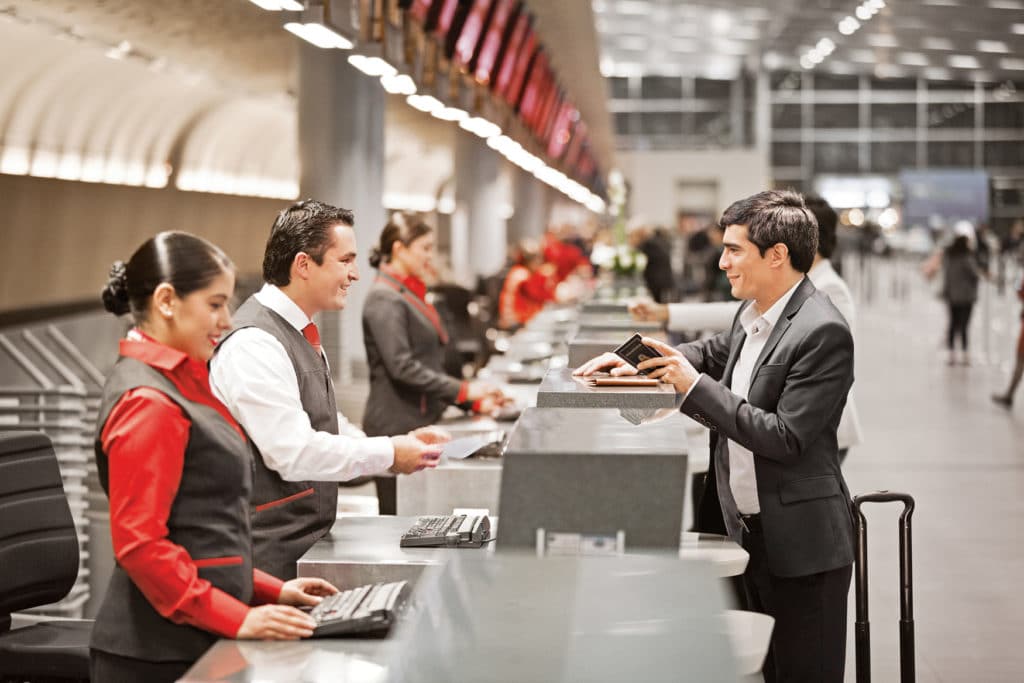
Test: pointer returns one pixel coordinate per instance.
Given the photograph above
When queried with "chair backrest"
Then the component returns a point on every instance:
(38, 544)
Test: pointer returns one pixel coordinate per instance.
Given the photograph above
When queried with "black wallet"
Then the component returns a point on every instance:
(635, 352)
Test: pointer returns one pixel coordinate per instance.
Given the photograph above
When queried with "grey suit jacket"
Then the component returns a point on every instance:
(789, 422)
(408, 385)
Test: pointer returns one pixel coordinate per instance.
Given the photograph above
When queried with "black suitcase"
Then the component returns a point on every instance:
(863, 632)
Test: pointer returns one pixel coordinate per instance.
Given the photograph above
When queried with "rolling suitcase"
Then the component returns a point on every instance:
(862, 632)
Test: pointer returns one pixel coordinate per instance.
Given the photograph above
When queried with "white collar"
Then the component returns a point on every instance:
(276, 300)
(750, 318)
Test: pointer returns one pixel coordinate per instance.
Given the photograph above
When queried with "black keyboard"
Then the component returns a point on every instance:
(364, 611)
(457, 531)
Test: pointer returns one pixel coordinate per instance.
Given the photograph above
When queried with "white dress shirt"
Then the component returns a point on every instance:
(758, 327)
(253, 376)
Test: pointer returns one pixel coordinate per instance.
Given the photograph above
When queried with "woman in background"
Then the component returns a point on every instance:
(405, 343)
(960, 290)
(178, 473)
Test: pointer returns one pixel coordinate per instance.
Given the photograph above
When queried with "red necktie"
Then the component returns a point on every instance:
(312, 335)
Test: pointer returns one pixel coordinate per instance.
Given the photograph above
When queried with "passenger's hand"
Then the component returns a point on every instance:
(648, 310)
(305, 590)
(275, 622)
(433, 435)
(671, 368)
(606, 361)
(413, 455)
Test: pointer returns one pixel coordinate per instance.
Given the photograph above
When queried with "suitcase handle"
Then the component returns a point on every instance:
(862, 627)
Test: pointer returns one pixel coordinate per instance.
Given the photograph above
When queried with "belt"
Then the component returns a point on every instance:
(750, 523)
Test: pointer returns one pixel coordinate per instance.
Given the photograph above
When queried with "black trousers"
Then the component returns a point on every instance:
(809, 637)
(959, 321)
(105, 667)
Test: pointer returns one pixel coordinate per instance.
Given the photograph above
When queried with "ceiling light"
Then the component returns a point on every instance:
(372, 66)
(937, 44)
(319, 35)
(450, 114)
(398, 84)
(278, 5)
(964, 62)
(806, 62)
(721, 22)
(864, 13)
(1015, 5)
(825, 46)
(1017, 29)
(848, 26)
(937, 74)
(996, 46)
(480, 127)
(425, 103)
(1012, 64)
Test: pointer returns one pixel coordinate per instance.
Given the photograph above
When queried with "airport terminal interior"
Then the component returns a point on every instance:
(571, 160)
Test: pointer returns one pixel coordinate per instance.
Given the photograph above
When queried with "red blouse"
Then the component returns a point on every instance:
(145, 438)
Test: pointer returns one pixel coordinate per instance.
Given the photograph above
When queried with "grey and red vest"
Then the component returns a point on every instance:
(209, 518)
(290, 516)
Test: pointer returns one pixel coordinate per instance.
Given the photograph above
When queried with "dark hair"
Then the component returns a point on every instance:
(777, 216)
(827, 220)
(961, 244)
(302, 227)
(403, 227)
(186, 262)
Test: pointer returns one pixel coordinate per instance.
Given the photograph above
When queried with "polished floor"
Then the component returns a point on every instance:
(932, 431)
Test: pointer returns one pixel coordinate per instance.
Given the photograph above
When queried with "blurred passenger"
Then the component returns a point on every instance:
(566, 258)
(177, 470)
(658, 271)
(960, 277)
(405, 341)
(273, 376)
(529, 285)
(1006, 398)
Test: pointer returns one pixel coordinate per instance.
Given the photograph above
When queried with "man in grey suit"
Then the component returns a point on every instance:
(771, 390)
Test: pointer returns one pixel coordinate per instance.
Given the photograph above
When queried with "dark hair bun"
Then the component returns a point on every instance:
(115, 294)
(375, 257)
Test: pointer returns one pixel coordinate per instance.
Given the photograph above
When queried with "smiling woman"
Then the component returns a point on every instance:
(184, 573)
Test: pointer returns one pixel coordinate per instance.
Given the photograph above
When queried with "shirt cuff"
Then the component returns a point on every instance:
(266, 589)
(380, 452)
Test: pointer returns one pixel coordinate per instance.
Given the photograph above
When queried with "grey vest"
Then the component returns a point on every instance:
(209, 518)
(290, 516)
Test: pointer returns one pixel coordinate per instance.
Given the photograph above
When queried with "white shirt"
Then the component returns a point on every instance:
(253, 376)
(758, 326)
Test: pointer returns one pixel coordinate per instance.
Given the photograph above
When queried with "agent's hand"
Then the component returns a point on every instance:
(305, 590)
(648, 310)
(671, 368)
(413, 455)
(478, 390)
(275, 622)
(606, 361)
(432, 435)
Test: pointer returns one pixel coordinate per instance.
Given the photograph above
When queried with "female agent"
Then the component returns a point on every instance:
(405, 343)
(178, 474)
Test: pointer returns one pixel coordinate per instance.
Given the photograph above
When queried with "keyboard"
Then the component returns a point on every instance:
(364, 611)
(456, 531)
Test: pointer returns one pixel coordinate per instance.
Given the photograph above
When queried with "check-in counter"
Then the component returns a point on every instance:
(621, 322)
(560, 389)
(589, 343)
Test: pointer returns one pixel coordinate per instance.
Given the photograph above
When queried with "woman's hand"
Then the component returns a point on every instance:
(305, 590)
(671, 368)
(275, 622)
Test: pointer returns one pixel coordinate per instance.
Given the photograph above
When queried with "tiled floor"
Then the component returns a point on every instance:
(933, 432)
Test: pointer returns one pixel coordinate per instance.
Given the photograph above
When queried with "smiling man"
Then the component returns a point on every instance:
(771, 390)
(272, 375)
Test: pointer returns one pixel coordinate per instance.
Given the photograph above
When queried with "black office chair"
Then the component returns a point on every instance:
(38, 564)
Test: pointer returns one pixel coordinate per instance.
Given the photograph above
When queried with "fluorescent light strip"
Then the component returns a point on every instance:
(319, 35)
(278, 5)
(372, 66)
